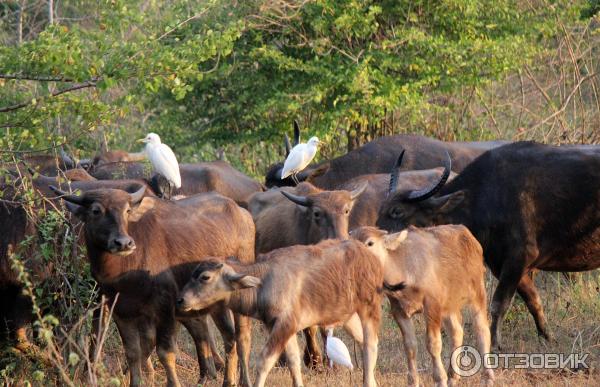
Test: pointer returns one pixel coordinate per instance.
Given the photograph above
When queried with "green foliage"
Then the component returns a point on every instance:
(239, 73)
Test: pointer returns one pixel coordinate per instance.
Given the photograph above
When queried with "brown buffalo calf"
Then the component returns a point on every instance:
(441, 271)
(294, 288)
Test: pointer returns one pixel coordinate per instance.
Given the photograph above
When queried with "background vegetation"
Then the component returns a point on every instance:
(234, 74)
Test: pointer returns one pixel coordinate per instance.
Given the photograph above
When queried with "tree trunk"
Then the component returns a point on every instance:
(50, 12)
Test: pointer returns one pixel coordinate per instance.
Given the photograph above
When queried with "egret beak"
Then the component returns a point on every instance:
(141, 140)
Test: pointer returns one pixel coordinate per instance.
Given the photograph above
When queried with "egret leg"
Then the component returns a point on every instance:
(295, 178)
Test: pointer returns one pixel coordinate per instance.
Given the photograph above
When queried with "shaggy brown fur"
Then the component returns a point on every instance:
(294, 288)
(145, 253)
(442, 271)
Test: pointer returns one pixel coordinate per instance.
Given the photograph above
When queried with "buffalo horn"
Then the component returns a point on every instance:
(137, 196)
(394, 173)
(65, 196)
(426, 193)
(300, 200)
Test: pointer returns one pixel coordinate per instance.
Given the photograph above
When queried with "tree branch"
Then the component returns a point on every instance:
(77, 86)
(27, 77)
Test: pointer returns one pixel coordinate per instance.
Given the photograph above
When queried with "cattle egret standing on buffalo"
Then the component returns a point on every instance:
(337, 352)
(300, 156)
(163, 159)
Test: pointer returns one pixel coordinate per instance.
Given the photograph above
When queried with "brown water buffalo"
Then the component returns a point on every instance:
(218, 176)
(379, 155)
(531, 206)
(15, 226)
(295, 288)
(302, 215)
(145, 251)
(441, 271)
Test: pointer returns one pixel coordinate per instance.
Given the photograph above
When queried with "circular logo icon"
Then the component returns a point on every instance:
(465, 361)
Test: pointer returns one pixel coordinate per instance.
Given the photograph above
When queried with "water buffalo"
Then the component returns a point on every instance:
(144, 251)
(531, 206)
(293, 288)
(379, 155)
(218, 176)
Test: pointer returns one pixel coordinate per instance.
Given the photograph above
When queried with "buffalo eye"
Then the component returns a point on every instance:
(129, 210)
(370, 243)
(205, 277)
(96, 211)
(395, 213)
(347, 211)
(317, 214)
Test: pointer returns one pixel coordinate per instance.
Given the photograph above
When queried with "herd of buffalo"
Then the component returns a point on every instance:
(405, 217)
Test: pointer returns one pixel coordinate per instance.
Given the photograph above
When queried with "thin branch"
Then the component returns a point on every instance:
(27, 77)
(77, 86)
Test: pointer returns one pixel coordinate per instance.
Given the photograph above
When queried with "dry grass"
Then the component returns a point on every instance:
(572, 307)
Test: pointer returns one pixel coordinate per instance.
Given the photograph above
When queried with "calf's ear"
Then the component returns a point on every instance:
(139, 211)
(392, 241)
(242, 281)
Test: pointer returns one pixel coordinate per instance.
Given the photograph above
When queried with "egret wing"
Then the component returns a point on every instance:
(338, 352)
(294, 162)
(164, 162)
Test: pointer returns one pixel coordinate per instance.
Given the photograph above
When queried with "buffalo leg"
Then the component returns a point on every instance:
(313, 357)
(278, 338)
(198, 329)
(222, 318)
(482, 331)
(243, 330)
(292, 353)
(133, 352)
(434, 346)
(370, 328)
(529, 294)
(166, 349)
(510, 277)
(409, 339)
(454, 329)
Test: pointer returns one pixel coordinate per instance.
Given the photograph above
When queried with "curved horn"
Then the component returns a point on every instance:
(357, 191)
(300, 200)
(138, 195)
(67, 160)
(288, 146)
(394, 173)
(296, 133)
(422, 194)
(65, 196)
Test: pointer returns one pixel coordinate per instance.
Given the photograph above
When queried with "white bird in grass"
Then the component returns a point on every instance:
(337, 352)
(163, 159)
(300, 156)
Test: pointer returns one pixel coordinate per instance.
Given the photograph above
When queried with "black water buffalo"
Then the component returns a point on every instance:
(531, 206)
(379, 155)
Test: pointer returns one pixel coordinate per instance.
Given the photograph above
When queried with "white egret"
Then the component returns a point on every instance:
(163, 159)
(337, 352)
(300, 156)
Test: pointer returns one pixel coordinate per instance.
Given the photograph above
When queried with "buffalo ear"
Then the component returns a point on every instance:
(448, 202)
(243, 281)
(393, 241)
(139, 211)
(76, 209)
(310, 174)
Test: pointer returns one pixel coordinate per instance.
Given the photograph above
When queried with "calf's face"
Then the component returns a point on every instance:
(212, 281)
(106, 214)
(378, 241)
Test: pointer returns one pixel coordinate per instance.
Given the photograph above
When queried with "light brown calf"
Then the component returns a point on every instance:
(441, 271)
(294, 288)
